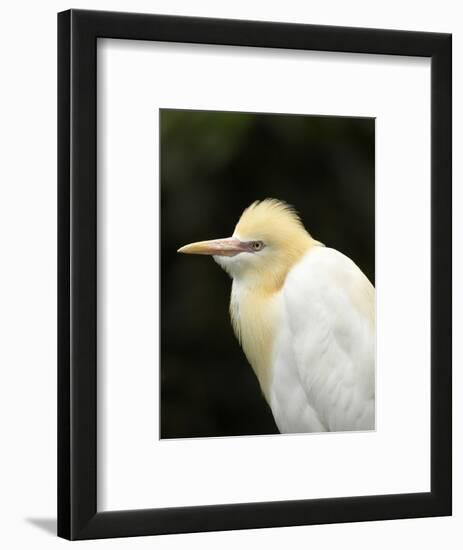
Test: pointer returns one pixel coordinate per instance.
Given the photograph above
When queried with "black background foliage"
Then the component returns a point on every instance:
(213, 165)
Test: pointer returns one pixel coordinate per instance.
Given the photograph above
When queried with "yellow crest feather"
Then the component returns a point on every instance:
(268, 216)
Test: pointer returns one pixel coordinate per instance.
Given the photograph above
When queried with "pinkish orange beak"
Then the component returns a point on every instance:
(217, 247)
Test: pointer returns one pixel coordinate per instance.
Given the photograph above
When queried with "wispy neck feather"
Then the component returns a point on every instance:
(255, 319)
(254, 312)
(258, 279)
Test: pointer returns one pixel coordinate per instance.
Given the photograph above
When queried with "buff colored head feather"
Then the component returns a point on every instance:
(270, 220)
(268, 240)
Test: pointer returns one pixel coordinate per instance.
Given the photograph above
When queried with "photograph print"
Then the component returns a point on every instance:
(267, 261)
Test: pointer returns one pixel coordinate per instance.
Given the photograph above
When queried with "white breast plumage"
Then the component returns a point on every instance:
(323, 363)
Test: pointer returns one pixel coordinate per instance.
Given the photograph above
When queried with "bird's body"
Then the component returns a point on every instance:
(305, 317)
(325, 348)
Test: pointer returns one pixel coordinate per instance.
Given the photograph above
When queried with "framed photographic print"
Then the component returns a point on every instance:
(254, 274)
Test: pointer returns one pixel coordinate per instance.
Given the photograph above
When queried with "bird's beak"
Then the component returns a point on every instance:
(217, 247)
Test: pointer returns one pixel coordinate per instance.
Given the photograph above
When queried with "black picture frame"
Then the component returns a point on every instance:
(78, 517)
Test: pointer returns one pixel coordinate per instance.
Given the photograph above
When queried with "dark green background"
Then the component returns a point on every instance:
(213, 165)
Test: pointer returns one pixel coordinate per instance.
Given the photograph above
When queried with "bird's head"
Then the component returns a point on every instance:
(268, 240)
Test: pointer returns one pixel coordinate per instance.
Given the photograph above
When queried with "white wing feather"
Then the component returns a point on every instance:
(324, 359)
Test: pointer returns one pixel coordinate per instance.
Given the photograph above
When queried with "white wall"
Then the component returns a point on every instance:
(28, 271)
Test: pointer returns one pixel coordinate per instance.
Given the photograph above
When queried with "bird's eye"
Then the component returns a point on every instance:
(257, 245)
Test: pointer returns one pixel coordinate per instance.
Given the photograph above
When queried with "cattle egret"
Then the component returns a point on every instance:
(305, 317)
